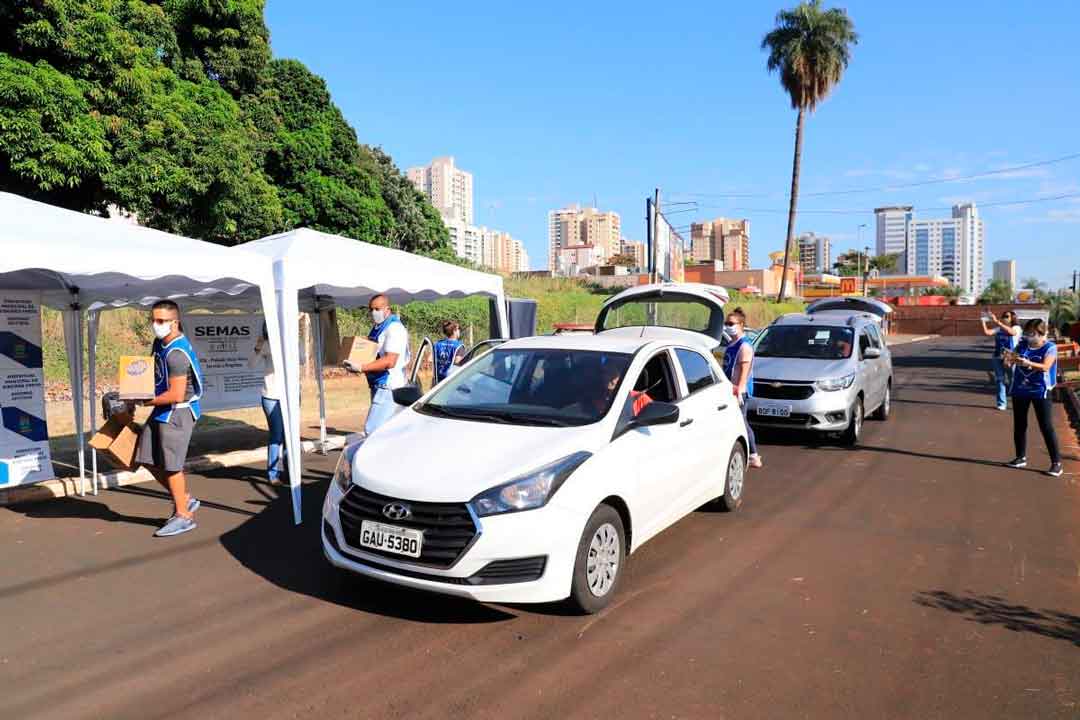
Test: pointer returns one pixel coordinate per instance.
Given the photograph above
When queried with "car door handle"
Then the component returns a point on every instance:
(722, 406)
(686, 422)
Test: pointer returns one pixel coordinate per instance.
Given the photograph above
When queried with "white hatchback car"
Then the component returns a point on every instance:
(531, 473)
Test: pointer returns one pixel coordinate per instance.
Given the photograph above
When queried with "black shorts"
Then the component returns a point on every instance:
(164, 445)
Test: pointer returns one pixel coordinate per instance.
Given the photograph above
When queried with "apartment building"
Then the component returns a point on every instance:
(635, 250)
(572, 226)
(952, 247)
(448, 188)
(1005, 271)
(721, 239)
(815, 253)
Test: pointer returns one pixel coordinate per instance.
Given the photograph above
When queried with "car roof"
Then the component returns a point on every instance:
(830, 318)
(604, 342)
(712, 293)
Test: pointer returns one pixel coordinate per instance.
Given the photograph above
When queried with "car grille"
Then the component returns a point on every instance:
(448, 528)
(784, 391)
(503, 572)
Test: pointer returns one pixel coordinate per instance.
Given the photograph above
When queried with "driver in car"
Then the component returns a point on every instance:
(598, 385)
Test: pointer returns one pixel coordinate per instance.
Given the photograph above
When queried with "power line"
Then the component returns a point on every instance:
(899, 186)
(854, 211)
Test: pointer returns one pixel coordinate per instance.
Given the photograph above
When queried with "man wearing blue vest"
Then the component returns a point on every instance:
(178, 385)
(739, 368)
(449, 351)
(386, 372)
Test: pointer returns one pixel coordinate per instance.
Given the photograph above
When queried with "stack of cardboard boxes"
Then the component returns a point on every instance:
(118, 438)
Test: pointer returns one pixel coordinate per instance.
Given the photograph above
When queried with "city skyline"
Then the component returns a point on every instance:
(529, 154)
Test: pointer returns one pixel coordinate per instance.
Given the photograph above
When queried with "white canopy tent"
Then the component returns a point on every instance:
(315, 271)
(84, 264)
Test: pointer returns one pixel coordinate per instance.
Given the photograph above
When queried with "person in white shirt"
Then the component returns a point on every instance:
(386, 372)
(262, 361)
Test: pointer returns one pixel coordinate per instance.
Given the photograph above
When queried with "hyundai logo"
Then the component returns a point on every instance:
(776, 384)
(397, 511)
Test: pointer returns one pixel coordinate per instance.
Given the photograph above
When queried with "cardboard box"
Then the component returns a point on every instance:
(357, 350)
(136, 377)
(117, 440)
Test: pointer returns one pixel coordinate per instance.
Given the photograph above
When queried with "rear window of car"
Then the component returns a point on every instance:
(697, 370)
(672, 310)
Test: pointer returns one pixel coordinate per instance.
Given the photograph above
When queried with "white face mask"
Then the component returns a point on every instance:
(1035, 340)
(162, 329)
(378, 316)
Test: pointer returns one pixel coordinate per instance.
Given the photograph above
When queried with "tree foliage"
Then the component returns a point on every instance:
(996, 292)
(173, 109)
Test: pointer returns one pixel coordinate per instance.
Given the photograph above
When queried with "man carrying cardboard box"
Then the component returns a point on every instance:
(386, 372)
(178, 385)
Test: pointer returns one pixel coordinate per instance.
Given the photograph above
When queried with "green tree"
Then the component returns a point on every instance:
(417, 226)
(810, 48)
(225, 40)
(1064, 309)
(631, 261)
(949, 291)
(848, 264)
(885, 263)
(996, 293)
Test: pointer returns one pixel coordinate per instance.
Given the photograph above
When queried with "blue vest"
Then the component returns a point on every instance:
(1029, 382)
(731, 354)
(163, 413)
(445, 351)
(1003, 341)
(381, 378)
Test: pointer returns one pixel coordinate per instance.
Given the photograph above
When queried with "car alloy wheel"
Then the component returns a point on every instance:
(605, 554)
(734, 479)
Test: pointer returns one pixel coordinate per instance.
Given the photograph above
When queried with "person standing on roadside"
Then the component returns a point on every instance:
(163, 443)
(1006, 335)
(448, 351)
(739, 368)
(262, 361)
(1034, 365)
(386, 372)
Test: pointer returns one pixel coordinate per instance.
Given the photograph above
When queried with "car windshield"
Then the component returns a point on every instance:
(672, 309)
(547, 387)
(817, 342)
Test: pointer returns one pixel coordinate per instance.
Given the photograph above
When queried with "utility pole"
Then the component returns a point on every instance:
(1076, 281)
(655, 221)
(866, 272)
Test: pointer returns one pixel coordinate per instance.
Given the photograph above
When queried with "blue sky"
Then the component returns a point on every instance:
(554, 103)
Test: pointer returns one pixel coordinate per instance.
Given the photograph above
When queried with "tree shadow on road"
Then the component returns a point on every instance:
(291, 557)
(995, 610)
(988, 406)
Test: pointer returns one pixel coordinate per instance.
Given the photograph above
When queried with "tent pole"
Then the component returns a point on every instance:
(77, 391)
(91, 338)
(317, 325)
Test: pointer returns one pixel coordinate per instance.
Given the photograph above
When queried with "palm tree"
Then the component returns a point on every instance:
(810, 47)
(1064, 308)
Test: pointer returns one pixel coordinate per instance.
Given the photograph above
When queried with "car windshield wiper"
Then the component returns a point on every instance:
(462, 414)
(539, 419)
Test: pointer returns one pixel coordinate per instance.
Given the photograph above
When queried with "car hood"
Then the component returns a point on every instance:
(424, 458)
(800, 369)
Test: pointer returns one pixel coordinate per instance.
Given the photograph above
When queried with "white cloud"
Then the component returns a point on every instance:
(1056, 217)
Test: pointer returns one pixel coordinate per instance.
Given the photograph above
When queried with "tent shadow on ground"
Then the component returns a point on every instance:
(291, 557)
(995, 610)
(85, 509)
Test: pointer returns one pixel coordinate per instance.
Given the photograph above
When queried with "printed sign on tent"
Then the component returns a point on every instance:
(24, 434)
(224, 345)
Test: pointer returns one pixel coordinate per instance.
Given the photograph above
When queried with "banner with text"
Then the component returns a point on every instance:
(24, 434)
(225, 345)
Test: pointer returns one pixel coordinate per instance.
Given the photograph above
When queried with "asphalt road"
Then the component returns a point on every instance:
(911, 578)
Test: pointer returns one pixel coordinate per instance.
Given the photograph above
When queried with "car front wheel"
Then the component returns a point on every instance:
(854, 429)
(883, 411)
(599, 562)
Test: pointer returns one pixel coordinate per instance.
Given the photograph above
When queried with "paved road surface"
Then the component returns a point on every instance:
(912, 578)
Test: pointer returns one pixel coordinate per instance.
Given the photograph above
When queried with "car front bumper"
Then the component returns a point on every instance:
(549, 532)
(821, 412)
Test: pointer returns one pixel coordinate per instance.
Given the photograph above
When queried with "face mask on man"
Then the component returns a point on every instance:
(378, 316)
(731, 332)
(162, 329)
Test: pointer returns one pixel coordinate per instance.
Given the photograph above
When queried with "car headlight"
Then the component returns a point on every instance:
(343, 471)
(529, 491)
(839, 383)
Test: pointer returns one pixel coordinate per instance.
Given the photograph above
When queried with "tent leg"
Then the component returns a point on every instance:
(91, 339)
(77, 393)
(317, 325)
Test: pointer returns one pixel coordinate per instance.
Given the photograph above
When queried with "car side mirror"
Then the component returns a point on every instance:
(407, 394)
(872, 352)
(657, 413)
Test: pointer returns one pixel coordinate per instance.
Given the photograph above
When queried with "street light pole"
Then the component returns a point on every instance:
(858, 242)
(866, 273)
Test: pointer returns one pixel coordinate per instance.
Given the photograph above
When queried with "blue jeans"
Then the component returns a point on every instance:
(382, 409)
(1003, 379)
(275, 447)
(750, 439)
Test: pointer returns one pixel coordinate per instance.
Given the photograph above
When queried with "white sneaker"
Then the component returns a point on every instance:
(755, 461)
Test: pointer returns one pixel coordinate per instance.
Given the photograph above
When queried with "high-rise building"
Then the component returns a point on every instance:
(952, 247)
(467, 240)
(504, 253)
(449, 189)
(635, 250)
(573, 259)
(1005, 271)
(721, 239)
(815, 254)
(575, 225)
(892, 231)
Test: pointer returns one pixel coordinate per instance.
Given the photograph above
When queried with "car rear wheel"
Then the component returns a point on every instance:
(882, 413)
(854, 429)
(734, 479)
(599, 562)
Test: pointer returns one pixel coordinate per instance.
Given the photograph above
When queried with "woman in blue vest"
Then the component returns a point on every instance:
(1034, 365)
(449, 351)
(739, 368)
(178, 385)
(386, 372)
(1006, 334)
